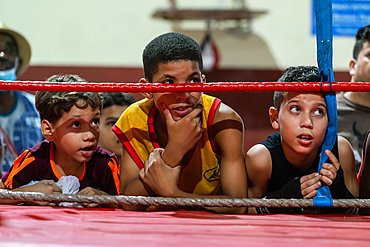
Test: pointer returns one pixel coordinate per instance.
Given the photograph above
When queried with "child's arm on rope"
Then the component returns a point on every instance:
(89, 191)
(259, 167)
(44, 186)
(347, 162)
(130, 181)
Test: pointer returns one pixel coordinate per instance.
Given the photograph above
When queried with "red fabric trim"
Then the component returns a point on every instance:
(151, 115)
(83, 174)
(362, 161)
(52, 162)
(211, 117)
(128, 146)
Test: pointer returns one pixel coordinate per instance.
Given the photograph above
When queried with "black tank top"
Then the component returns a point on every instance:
(282, 171)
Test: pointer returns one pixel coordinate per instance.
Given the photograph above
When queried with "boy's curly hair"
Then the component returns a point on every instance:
(52, 105)
(170, 47)
(296, 74)
(122, 99)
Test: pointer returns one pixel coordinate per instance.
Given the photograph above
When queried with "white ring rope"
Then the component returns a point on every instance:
(179, 202)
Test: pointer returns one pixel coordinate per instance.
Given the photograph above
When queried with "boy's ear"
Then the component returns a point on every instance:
(204, 78)
(274, 117)
(352, 67)
(146, 95)
(47, 130)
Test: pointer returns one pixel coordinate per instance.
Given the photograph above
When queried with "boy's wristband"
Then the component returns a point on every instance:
(291, 189)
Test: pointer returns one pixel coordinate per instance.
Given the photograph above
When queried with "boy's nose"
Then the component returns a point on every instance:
(181, 96)
(306, 121)
(89, 136)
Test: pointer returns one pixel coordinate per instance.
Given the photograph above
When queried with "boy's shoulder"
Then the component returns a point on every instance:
(139, 109)
(261, 154)
(31, 159)
(135, 116)
(272, 141)
(41, 148)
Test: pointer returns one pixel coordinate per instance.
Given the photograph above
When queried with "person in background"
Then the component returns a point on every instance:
(354, 107)
(113, 106)
(19, 120)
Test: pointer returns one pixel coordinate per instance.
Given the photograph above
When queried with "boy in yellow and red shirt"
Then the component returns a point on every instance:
(180, 144)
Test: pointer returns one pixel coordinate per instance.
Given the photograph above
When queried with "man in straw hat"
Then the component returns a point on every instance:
(19, 119)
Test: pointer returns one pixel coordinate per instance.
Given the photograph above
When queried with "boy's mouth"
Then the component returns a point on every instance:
(87, 151)
(305, 139)
(182, 110)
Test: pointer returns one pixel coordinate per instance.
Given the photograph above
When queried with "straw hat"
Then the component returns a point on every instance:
(24, 48)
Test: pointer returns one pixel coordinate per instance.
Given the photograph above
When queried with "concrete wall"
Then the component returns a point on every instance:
(114, 32)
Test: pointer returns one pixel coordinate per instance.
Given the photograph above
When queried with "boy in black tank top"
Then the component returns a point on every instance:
(285, 165)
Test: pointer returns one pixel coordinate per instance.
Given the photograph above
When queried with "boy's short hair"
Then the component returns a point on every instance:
(121, 99)
(362, 36)
(52, 105)
(170, 47)
(296, 74)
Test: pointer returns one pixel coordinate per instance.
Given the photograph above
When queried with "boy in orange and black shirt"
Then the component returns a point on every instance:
(70, 125)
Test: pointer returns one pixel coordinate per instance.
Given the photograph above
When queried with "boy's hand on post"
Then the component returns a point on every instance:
(160, 177)
(329, 171)
(309, 184)
(182, 134)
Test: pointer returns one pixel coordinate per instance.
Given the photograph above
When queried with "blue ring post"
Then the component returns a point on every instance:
(324, 39)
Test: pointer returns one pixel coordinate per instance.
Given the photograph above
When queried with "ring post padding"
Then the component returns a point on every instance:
(324, 38)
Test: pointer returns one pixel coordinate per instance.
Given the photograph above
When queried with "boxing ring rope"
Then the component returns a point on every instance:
(179, 202)
(184, 87)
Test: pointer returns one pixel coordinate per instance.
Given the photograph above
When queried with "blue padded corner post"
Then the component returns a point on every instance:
(324, 39)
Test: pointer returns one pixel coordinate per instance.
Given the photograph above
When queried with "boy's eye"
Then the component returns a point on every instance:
(194, 80)
(111, 123)
(168, 81)
(96, 122)
(76, 124)
(295, 109)
(318, 112)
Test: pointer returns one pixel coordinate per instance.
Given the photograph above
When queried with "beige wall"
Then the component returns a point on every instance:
(114, 32)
